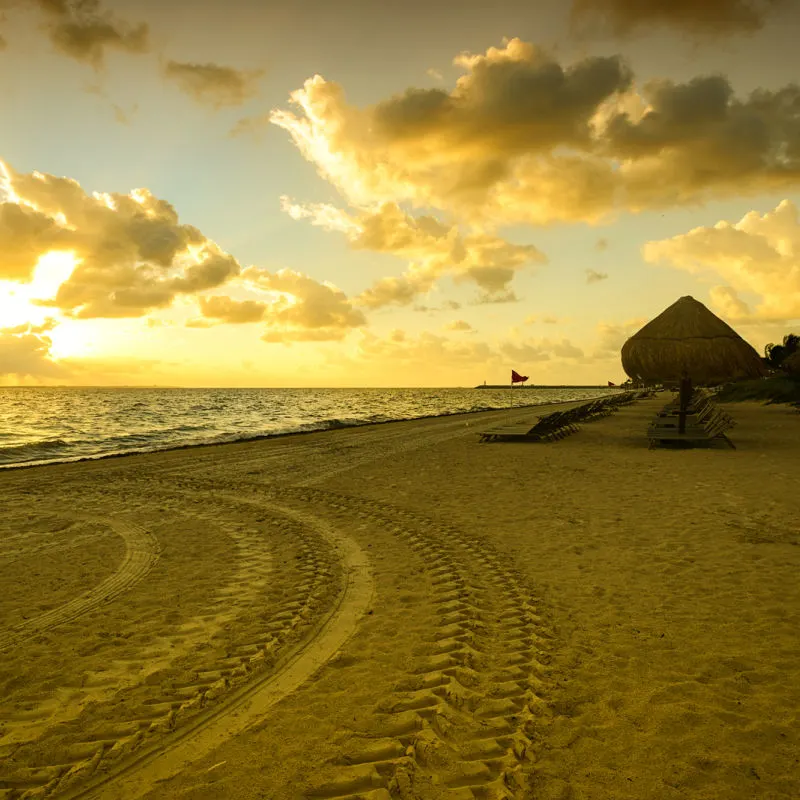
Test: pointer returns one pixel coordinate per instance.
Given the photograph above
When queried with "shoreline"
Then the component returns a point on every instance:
(280, 435)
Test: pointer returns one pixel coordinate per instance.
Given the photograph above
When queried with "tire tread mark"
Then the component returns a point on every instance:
(468, 716)
(250, 689)
(142, 551)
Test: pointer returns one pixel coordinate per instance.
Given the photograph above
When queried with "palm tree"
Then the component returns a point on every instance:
(776, 354)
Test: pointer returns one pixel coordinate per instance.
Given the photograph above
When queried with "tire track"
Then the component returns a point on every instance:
(464, 723)
(272, 650)
(281, 673)
(43, 710)
(141, 554)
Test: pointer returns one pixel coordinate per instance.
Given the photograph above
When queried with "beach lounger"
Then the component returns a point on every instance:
(546, 428)
(704, 423)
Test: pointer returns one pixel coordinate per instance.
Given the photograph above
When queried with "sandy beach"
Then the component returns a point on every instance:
(399, 611)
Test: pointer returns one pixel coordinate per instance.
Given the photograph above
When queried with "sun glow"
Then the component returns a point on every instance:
(18, 300)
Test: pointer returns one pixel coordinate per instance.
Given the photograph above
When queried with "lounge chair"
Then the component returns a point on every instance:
(546, 428)
(704, 422)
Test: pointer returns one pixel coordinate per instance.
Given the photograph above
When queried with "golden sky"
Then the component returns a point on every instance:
(362, 194)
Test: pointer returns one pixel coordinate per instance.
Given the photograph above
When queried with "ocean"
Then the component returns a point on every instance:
(46, 425)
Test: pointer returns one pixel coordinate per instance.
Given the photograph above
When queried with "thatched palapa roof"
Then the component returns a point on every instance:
(688, 336)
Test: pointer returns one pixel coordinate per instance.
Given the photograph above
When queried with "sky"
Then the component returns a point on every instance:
(248, 193)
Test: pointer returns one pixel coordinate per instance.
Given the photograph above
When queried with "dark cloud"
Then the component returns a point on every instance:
(715, 17)
(524, 100)
(212, 84)
(697, 140)
(83, 30)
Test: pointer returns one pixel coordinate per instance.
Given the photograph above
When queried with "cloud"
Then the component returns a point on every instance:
(601, 244)
(759, 255)
(25, 353)
(522, 138)
(434, 249)
(132, 253)
(26, 233)
(212, 84)
(84, 31)
(425, 349)
(252, 126)
(697, 141)
(715, 17)
(612, 335)
(226, 309)
(490, 298)
(592, 276)
(458, 325)
(486, 149)
(303, 309)
(435, 74)
(565, 349)
(447, 305)
(551, 320)
(524, 353)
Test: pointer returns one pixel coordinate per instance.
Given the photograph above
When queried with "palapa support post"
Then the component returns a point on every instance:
(685, 395)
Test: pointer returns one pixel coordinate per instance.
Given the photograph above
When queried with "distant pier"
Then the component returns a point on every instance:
(542, 386)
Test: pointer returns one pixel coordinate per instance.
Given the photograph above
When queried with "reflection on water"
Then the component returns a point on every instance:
(48, 424)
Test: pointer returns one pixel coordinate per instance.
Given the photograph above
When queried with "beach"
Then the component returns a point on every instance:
(399, 611)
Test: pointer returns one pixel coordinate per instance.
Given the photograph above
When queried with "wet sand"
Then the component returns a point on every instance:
(399, 611)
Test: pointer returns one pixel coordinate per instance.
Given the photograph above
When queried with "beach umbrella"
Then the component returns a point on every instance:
(688, 337)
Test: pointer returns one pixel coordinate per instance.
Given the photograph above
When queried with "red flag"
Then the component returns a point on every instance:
(517, 378)
(611, 384)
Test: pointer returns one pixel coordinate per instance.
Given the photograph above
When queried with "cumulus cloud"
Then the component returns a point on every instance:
(84, 30)
(212, 84)
(593, 276)
(25, 353)
(458, 325)
(759, 254)
(434, 249)
(696, 141)
(715, 17)
(226, 309)
(486, 149)
(522, 138)
(132, 253)
(303, 309)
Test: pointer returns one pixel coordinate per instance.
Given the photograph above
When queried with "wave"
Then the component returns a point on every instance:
(32, 450)
(180, 436)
